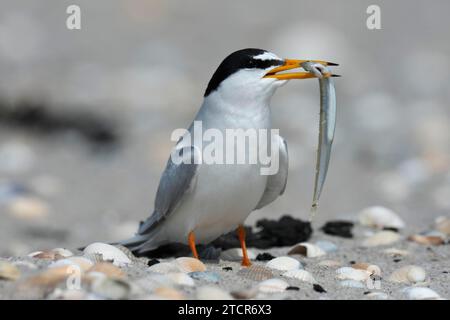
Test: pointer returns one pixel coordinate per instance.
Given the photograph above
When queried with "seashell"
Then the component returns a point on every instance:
(442, 224)
(307, 249)
(108, 269)
(427, 239)
(361, 265)
(108, 252)
(212, 293)
(326, 246)
(421, 293)
(111, 288)
(46, 255)
(94, 257)
(186, 264)
(235, 254)
(377, 296)
(301, 275)
(284, 264)
(67, 294)
(256, 273)
(51, 276)
(408, 274)
(65, 253)
(164, 267)
(380, 217)
(245, 294)
(28, 208)
(206, 276)
(348, 273)
(181, 279)
(273, 285)
(168, 293)
(83, 263)
(394, 252)
(8, 271)
(330, 264)
(381, 238)
(349, 283)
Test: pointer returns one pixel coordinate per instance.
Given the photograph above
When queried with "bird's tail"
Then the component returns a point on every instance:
(142, 243)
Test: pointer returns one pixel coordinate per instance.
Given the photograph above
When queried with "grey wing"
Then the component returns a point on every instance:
(176, 181)
(276, 184)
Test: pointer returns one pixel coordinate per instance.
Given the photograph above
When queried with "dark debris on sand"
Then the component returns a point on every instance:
(339, 228)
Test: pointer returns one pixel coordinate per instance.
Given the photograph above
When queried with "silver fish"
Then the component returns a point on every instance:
(326, 128)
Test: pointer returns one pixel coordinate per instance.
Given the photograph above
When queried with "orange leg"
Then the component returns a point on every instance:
(191, 240)
(241, 234)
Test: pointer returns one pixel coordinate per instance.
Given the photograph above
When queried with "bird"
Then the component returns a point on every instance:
(197, 202)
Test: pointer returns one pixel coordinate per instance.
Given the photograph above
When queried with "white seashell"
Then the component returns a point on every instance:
(442, 224)
(284, 264)
(351, 284)
(301, 275)
(34, 253)
(212, 293)
(164, 267)
(235, 254)
(187, 264)
(348, 273)
(273, 285)
(63, 252)
(307, 249)
(330, 264)
(408, 274)
(81, 262)
(377, 296)
(108, 252)
(421, 293)
(394, 252)
(380, 217)
(181, 279)
(381, 238)
(8, 271)
(326, 246)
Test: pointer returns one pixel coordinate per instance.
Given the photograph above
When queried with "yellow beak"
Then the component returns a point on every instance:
(292, 64)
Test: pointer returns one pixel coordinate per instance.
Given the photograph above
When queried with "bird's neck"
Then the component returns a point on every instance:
(242, 108)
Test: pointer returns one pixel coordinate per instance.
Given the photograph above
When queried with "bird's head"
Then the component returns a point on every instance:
(254, 75)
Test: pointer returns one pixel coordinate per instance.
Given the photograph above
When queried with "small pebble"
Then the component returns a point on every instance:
(265, 256)
(293, 288)
(207, 276)
(318, 288)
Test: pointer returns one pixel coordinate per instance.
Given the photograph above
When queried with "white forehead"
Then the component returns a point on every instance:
(267, 56)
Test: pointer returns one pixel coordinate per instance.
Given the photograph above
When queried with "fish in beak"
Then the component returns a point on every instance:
(316, 69)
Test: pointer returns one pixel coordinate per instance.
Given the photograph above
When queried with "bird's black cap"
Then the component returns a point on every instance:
(241, 59)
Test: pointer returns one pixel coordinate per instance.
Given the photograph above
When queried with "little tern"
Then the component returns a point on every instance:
(197, 202)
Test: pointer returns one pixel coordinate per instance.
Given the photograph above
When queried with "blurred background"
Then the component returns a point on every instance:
(86, 115)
